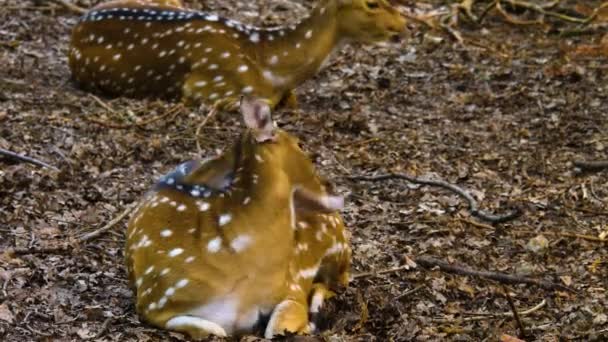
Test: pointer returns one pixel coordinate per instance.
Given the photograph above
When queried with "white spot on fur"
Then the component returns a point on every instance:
(240, 243)
(181, 283)
(214, 245)
(175, 252)
(224, 219)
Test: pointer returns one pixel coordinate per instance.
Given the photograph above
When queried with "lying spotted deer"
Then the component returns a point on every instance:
(160, 48)
(220, 246)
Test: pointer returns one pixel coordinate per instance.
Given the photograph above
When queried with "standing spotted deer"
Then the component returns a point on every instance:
(160, 48)
(220, 246)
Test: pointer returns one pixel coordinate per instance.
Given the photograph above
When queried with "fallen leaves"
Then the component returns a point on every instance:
(6, 314)
(509, 338)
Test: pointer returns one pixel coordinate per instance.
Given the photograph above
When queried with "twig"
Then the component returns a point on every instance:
(173, 110)
(42, 250)
(543, 11)
(484, 316)
(96, 233)
(200, 127)
(522, 329)
(473, 206)
(104, 327)
(516, 21)
(504, 278)
(407, 293)
(476, 224)
(70, 6)
(581, 165)
(564, 234)
(103, 104)
(65, 246)
(376, 273)
(107, 124)
(26, 159)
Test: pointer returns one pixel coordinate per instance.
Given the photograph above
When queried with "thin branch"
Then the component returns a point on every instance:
(522, 329)
(582, 165)
(377, 273)
(117, 219)
(407, 293)
(70, 6)
(504, 278)
(211, 113)
(172, 111)
(26, 159)
(540, 9)
(69, 245)
(103, 329)
(473, 206)
(484, 316)
(564, 234)
(63, 247)
(513, 20)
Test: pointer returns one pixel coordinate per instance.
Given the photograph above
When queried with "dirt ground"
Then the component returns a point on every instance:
(503, 115)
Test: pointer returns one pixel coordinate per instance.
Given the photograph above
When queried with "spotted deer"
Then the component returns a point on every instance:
(221, 246)
(160, 48)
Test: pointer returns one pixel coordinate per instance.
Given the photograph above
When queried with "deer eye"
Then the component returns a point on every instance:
(372, 5)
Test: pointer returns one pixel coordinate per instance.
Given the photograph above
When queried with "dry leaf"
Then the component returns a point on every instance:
(6, 314)
(538, 244)
(509, 338)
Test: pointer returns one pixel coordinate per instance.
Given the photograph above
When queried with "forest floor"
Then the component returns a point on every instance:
(503, 115)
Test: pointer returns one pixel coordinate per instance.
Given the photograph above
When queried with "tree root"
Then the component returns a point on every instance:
(590, 166)
(26, 159)
(473, 206)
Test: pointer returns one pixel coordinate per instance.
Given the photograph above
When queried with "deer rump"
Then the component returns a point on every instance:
(219, 244)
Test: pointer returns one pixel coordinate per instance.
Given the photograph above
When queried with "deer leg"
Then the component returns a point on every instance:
(320, 293)
(290, 316)
(196, 327)
(289, 100)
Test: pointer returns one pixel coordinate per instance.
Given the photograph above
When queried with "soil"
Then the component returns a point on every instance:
(503, 115)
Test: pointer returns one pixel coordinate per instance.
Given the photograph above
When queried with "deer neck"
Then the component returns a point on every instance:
(294, 54)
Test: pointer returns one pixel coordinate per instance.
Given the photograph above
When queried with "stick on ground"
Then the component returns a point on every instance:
(96, 233)
(590, 166)
(70, 6)
(473, 206)
(522, 329)
(26, 159)
(211, 113)
(63, 247)
(504, 278)
(482, 316)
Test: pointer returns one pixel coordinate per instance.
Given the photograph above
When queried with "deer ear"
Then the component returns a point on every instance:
(307, 201)
(256, 114)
